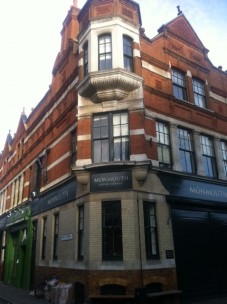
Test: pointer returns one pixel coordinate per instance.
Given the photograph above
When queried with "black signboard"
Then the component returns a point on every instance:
(111, 181)
(195, 189)
(2, 223)
(54, 198)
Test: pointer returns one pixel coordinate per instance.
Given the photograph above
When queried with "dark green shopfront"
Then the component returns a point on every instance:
(18, 233)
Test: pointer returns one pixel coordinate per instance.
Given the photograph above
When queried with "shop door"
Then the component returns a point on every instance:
(200, 239)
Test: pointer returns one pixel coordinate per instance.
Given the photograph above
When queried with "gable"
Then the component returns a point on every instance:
(181, 28)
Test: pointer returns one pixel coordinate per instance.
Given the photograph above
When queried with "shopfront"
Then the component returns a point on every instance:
(17, 261)
(199, 218)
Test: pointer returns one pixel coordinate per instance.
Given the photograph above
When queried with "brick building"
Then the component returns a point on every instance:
(117, 179)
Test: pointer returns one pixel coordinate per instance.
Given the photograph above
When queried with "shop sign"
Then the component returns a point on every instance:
(188, 188)
(111, 181)
(54, 198)
(2, 223)
(18, 215)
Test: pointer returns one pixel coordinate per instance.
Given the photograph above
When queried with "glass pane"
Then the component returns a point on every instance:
(166, 155)
(116, 131)
(96, 121)
(116, 119)
(102, 49)
(125, 149)
(96, 133)
(108, 48)
(124, 130)
(97, 151)
(105, 150)
(104, 132)
(117, 149)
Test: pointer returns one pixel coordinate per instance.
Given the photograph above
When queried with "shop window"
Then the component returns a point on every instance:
(81, 233)
(164, 148)
(150, 227)
(128, 53)
(179, 85)
(105, 52)
(56, 233)
(112, 231)
(208, 156)
(110, 137)
(86, 59)
(224, 155)
(44, 236)
(199, 93)
(186, 150)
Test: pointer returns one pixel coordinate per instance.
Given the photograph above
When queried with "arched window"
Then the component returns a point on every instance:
(128, 53)
(105, 52)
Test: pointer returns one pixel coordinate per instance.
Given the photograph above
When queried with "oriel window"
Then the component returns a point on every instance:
(128, 53)
(86, 59)
(105, 52)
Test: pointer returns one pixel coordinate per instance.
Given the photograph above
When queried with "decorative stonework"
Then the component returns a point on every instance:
(140, 174)
(83, 178)
(109, 85)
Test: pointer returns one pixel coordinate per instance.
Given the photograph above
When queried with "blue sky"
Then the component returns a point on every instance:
(30, 41)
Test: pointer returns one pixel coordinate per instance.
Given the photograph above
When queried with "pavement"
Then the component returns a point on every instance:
(13, 295)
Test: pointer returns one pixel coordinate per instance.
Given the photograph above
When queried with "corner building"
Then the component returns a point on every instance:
(116, 181)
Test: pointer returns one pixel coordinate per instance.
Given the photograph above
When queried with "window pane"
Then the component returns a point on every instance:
(112, 231)
(81, 233)
(162, 133)
(179, 85)
(208, 156)
(115, 137)
(105, 52)
(105, 150)
(199, 93)
(187, 157)
(150, 230)
(128, 53)
(97, 151)
(224, 155)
